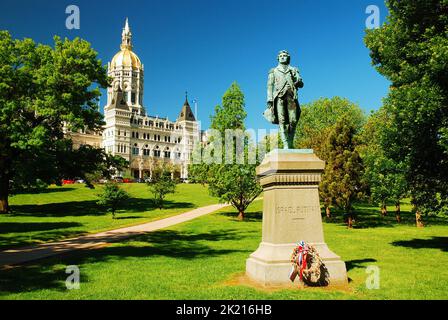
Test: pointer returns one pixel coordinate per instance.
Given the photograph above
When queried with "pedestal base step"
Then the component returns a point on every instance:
(270, 265)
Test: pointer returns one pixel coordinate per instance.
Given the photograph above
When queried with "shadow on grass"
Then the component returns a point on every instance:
(50, 273)
(433, 243)
(48, 190)
(21, 227)
(47, 231)
(248, 216)
(128, 218)
(89, 208)
(360, 263)
(17, 241)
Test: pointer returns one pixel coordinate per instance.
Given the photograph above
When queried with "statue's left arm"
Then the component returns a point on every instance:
(298, 81)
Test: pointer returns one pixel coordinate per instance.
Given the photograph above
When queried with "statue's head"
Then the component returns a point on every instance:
(284, 57)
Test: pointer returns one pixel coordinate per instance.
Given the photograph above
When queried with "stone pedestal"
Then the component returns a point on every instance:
(291, 213)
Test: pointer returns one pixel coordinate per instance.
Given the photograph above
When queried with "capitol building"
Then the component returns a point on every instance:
(143, 140)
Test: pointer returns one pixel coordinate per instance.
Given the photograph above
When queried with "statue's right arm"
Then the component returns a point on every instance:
(271, 87)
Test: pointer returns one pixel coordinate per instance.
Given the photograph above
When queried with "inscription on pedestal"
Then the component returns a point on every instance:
(297, 212)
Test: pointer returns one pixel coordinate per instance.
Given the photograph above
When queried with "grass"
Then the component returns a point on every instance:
(71, 210)
(203, 258)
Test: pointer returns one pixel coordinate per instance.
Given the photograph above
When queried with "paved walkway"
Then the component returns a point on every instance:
(12, 257)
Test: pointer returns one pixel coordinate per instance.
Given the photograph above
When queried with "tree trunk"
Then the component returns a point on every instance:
(398, 212)
(4, 192)
(328, 212)
(241, 216)
(350, 222)
(383, 210)
(419, 219)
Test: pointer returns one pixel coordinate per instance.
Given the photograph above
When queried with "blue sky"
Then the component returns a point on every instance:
(202, 46)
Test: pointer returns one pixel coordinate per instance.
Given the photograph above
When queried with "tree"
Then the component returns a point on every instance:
(383, 176)
(41, 88)
(322, 114)
(411, 50)
(341, 181)
(161, 184)
(112, 197)
(317, 121)
(234, 183)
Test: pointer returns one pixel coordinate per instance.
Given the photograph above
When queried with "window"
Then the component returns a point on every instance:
(133, 97)
(167, 154)
(133, 134)
(135, 151)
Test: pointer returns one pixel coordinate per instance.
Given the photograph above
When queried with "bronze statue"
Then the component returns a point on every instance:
(283, 104)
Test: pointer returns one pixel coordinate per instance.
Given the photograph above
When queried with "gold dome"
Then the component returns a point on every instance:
(126, 58)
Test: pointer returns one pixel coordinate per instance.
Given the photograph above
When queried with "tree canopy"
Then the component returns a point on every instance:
(41, 89)
(234, 183)
(411, 50)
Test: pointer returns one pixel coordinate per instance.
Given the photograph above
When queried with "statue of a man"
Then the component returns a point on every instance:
(283, 104)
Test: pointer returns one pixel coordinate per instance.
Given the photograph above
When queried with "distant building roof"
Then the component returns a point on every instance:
(186, 114)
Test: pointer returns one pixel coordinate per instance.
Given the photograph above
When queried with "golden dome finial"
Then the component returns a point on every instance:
(126, 37)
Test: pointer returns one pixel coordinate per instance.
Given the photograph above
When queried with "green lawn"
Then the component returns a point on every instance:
(202, 259)
(68, 211)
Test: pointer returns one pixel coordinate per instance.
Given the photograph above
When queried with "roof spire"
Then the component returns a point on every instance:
(126, 26)
(126, 37)
(186, 114)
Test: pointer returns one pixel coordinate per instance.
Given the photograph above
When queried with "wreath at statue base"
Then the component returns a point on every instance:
(308, 266)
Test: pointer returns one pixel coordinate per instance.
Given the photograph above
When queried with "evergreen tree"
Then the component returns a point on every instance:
(317, 121)
(342, 180)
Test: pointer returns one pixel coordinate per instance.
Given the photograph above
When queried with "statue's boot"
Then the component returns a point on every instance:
(291, 135)
(283, 129)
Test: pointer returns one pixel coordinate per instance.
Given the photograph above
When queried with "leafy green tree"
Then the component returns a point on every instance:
(384, 177)
(41, 88)
(342, 179)
(411, 50)
(112, 197)
(234, 183)
(321, 114)
(162, 184)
